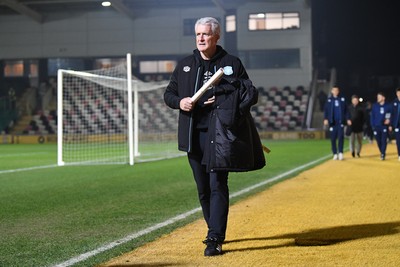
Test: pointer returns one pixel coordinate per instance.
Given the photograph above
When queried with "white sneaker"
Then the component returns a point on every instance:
(399, 158)
(335, 157)
(340, 156)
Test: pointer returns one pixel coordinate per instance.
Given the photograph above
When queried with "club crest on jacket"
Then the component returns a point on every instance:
(228, 70)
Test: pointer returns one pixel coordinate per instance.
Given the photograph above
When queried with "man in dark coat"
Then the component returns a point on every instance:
(357, 117)
(196, 120)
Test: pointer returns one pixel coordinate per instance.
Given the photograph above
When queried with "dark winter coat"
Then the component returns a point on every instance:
(357, 117)
(239, 149)
(233, 140)
(187, 79)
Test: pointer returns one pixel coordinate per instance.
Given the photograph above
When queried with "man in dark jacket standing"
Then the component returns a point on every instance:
(380, 122)
(336, 116)
(195, 118)
(357, 117)
(395, 120)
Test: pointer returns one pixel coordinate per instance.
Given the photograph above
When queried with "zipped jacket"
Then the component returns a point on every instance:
(380, 113)
(330, 109)
(395, 116)
(357, 117)
(187, 78)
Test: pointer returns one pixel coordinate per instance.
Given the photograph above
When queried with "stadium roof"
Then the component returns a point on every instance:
(39, 10)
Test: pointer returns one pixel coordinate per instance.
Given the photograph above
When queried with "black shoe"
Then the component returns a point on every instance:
(382, 157)
(214, 248)
(358, 155)
(353, 154)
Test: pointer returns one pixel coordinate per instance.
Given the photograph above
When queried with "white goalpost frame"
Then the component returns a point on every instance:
(145, 125)
(133, 125)
(60, 161)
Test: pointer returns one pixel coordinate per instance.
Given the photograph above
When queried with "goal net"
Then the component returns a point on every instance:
(104, 119)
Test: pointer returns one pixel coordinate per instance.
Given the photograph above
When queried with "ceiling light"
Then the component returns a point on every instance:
(106, 3)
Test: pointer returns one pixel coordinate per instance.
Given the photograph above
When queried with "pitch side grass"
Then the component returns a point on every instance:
(50, 214)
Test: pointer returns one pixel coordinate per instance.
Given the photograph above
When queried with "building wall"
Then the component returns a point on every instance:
(157, 32)
(281, 39)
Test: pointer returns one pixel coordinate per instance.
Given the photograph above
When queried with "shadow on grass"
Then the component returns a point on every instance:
(325, 236)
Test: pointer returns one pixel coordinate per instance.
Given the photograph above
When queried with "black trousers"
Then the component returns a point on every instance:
(212, 188)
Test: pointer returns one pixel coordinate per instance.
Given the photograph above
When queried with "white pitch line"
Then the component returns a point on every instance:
(29, 169)
(22, 154)
(278, 177)
(180, 217)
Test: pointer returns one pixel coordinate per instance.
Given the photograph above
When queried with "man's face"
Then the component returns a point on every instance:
(354, 101)
(380, 98)
(206, 41)
(335, 91)
(398, 94)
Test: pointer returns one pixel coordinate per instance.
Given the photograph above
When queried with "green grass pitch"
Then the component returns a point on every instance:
(50, 214)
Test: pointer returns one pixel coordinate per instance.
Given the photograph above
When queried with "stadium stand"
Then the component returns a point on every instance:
(278, 109)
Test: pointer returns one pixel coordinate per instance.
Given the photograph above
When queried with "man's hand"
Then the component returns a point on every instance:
(209, 101)
(326, 123)
(186, 104)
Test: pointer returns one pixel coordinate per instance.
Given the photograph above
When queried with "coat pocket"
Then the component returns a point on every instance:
(227, 111)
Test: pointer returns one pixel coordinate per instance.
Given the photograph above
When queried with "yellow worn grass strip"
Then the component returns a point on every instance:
(341, 213)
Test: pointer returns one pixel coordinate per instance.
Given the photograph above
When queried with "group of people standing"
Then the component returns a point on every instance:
(383, 119)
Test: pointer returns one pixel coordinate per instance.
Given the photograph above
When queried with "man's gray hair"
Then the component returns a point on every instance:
(215, 27)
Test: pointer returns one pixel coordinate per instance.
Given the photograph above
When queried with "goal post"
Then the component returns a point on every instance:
(107, 116)
(130, 111)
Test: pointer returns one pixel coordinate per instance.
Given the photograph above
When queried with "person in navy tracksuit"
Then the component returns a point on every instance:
(395, 120)
(336, 116)
(380, 120)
